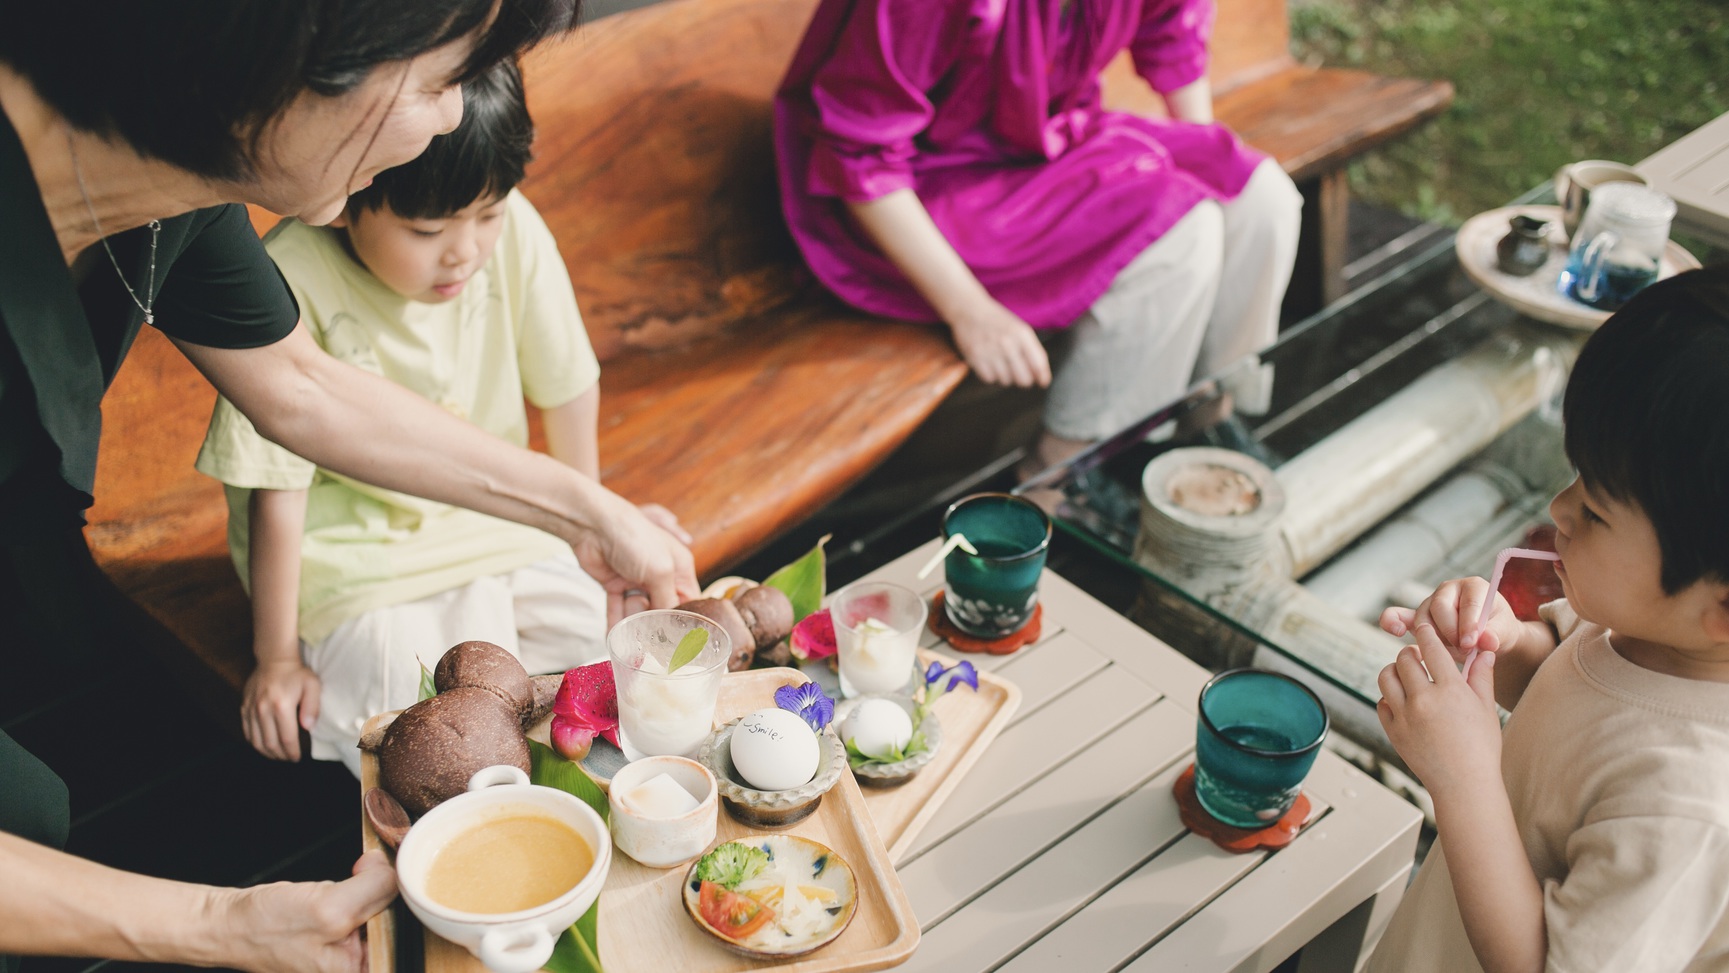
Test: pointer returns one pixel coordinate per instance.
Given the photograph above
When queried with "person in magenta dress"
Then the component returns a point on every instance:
(951, 160)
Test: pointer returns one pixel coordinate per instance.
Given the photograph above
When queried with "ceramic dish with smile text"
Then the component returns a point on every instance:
(772, 896)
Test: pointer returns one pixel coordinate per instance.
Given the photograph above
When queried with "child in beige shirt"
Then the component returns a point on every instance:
(1593, 834)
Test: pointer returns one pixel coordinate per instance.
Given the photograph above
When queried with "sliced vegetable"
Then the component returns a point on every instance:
(734, 916)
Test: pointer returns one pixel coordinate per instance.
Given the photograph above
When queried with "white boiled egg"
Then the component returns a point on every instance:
(774, 750)
(878, 728)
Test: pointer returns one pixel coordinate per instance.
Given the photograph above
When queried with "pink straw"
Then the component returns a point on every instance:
(1501, 560)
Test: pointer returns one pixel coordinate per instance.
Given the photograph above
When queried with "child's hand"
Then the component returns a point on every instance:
(1446, 728)
(1453, 610)
(280, 699)
(1001, 348)
(666, 520)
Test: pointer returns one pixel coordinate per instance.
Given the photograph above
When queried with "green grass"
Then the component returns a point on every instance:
(1540, 83)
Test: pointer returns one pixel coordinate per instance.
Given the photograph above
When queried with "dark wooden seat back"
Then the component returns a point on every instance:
(654, 166)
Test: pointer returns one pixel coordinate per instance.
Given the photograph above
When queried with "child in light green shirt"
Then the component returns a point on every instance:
(441, 277)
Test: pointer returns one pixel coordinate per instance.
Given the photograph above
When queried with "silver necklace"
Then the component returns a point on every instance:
(149, 303)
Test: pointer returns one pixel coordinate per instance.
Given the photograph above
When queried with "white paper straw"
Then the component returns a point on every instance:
(954, 541)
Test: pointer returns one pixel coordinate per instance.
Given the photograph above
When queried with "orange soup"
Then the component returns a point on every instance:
(508, 864)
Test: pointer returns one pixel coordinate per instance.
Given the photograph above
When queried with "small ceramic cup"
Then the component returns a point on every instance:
(1257, 737)
(663, 842)
(1575, 181)
(506, 942)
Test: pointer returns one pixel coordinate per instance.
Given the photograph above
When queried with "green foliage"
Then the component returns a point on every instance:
(802, 582)
(1539, 84)
(428, 688)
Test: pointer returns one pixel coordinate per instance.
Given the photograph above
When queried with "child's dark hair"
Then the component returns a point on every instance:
(1647, 417)
(483, 158)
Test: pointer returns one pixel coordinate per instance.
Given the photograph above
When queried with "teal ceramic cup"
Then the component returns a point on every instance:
(1257, 737)
(991, 594)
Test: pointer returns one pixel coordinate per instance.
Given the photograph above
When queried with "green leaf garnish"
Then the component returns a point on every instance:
(428, 687)
(802, 582)
(858, 758)
(730, 864)
(689, 648)
(578, 948)
(548, 769)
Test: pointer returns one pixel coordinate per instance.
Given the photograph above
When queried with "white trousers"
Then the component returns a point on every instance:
(1204, 295)
(550, 614)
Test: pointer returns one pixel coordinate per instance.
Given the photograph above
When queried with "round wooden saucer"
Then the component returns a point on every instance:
(1027, 635)
(1238, 840)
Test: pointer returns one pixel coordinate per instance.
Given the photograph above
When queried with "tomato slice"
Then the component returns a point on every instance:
(732, 915)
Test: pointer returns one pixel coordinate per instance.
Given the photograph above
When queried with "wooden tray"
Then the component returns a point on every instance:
(643, 925)
(970, 721)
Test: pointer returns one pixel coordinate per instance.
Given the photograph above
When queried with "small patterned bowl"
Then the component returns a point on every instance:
(771, 809)
(816, 865)
(898, 773)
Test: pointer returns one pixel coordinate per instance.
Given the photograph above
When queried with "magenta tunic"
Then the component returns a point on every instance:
(990, 111)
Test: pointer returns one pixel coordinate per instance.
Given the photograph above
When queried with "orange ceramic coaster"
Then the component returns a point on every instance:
(940, 624)
(1237, 840)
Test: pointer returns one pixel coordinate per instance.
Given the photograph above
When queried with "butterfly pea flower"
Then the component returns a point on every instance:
(960, 672)
(808, 702)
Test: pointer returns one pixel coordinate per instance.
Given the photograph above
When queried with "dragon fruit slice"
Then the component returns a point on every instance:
(586, 707)
(813, 637)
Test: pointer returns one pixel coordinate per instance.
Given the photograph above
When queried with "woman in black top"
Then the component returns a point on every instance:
(128, 131)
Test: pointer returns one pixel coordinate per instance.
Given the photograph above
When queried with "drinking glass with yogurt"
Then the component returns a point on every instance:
(663, 713)
(877, 627)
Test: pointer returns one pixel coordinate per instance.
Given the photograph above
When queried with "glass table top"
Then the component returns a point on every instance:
(1382, 500)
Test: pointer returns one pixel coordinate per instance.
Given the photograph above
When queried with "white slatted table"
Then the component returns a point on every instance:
(1062, 849)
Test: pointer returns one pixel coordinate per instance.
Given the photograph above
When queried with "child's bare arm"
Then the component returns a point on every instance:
(1446, 729)
(997, 344)
(1453, 611)
(281, 695)
(570, 432)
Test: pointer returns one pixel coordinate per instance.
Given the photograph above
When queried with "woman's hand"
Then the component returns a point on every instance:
(1000, 347)
(639, 563)
(1453, 610)
(1445, 727)
(293, 927)
(666, 520)
(279, 700)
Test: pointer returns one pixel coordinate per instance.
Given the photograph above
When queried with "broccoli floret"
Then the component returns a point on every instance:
(731, 864)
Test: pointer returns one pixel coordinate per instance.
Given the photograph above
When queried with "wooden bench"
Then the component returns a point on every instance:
(734, 390)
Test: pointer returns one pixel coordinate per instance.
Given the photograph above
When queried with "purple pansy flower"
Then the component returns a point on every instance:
(808, 702)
